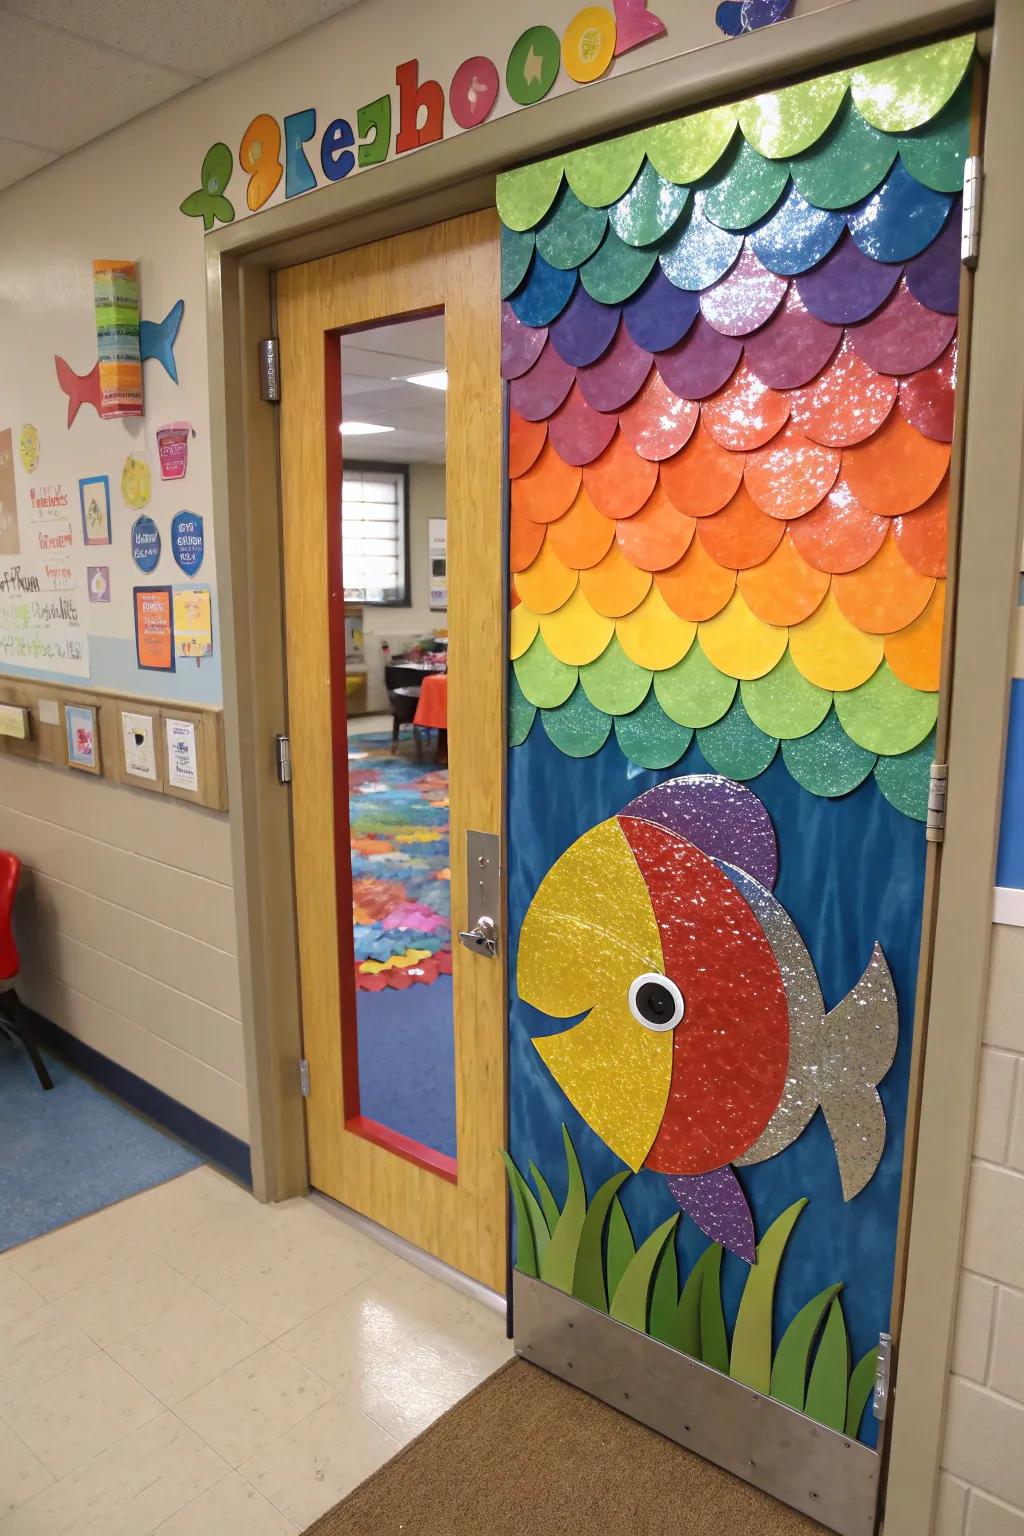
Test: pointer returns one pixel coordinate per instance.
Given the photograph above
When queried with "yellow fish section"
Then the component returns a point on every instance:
(589, 932)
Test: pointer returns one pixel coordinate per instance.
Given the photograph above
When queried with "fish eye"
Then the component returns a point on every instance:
(656, 1002)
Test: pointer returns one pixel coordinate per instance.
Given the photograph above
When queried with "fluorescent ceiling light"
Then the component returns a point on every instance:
(361, 429)
(434, 378)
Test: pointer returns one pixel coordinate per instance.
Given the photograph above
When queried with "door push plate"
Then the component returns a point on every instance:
(483, 892)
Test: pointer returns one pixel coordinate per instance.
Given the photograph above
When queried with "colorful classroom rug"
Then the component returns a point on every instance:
(398, 814)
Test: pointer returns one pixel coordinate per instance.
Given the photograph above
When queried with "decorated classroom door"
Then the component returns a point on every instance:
(730, 347)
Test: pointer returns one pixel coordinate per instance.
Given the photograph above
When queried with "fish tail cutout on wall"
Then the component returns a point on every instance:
(157, 339)
(80, 388)
(859, 1043)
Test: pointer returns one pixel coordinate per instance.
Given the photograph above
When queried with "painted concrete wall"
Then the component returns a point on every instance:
(982, 1487)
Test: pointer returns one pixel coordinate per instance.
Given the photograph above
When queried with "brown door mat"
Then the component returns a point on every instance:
(527, 1455)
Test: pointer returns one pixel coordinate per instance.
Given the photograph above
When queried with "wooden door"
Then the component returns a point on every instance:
(454, 1210)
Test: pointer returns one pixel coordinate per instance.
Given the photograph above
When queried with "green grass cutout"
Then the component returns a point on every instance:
(586, 1249)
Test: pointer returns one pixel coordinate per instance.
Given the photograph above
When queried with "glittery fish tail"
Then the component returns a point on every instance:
(859, 1038)
(715, 1202)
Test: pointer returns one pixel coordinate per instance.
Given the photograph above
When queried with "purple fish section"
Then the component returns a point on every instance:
(718, 1206)
(723, 819)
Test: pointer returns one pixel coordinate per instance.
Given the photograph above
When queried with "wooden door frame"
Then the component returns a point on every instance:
(458, 177)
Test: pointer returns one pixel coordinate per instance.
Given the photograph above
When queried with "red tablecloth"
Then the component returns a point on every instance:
(432, 709)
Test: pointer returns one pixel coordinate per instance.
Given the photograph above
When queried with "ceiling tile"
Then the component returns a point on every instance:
(193, 37)
(59, 91)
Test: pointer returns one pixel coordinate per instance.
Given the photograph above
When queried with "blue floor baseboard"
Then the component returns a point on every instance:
(218, 1145)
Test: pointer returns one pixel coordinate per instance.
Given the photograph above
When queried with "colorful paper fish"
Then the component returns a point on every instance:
(705, 1042)
(734, 17)
(156, 341)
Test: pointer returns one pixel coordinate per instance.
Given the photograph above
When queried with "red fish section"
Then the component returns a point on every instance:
(731, 1050)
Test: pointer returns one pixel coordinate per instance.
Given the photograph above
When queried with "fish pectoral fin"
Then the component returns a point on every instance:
(859, 1043)
(715, 1202)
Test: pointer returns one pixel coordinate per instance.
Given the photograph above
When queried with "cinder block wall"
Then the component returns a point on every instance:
(982, 1484)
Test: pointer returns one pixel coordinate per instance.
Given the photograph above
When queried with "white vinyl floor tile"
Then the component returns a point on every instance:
(193, 1363)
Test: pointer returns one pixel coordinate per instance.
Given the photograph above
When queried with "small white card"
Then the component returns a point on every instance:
(139, 745)
(182, 762)
(49, 712)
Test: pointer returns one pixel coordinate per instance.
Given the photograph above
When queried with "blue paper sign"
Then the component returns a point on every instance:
(145, 543)
(187, 541)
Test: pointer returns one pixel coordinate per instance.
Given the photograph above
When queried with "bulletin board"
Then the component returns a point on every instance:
(106, 574)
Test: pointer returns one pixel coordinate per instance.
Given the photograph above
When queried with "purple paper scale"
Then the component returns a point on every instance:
(660, 314)
(578, 433)
(541, 390)
(701, 363)
(521, 345)
(934, 276)
(584, 329)
(616, 377)
(793, 347)
(847, 286)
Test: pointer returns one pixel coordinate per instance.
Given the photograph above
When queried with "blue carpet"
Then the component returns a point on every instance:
(72, 1151)
(407, 1062)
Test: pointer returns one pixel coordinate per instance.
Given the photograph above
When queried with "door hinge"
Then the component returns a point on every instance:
(935, 826)
(304, 1076)
(283, 747)
(270, 370)
(883, 1362)
(970, 222)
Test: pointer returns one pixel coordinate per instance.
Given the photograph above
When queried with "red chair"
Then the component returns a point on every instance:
(15, 1021)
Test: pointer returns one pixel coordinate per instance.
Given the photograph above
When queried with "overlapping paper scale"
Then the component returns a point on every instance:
(730, 346)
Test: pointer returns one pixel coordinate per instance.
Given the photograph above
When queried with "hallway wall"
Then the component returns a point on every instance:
(982, 1484)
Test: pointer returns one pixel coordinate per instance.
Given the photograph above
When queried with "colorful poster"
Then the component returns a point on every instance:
(116, 299)
(9, 541)
(437, 554)
(182, 759)
(98, 582)
(154, 629)
(139, 741)
(145, 544)
(187, 541)
(82, 738)
(94, 496)
(193, 623)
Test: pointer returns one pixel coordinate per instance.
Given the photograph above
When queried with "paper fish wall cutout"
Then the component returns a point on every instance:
(706, 1042)
(156, 342)
(730, 347)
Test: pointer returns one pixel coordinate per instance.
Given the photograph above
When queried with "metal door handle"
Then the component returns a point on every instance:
(482, 938)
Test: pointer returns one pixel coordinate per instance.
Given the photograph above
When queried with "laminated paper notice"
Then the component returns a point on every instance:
(139, 745)
(182, 762)
(41, 623)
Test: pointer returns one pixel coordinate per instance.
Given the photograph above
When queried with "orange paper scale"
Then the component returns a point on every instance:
(896, 470)
(696, 588)
(703, 477)
(740, 535)
(784, 589)
(791, 474)
(838, 535)
(524, 540)
(618, 482)
(915, 653)
(613, 586)
(745, 414)
(525, 441)
(547, 489)
(582, 535)
(886, 594)
(923, 535)
(657, 536)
